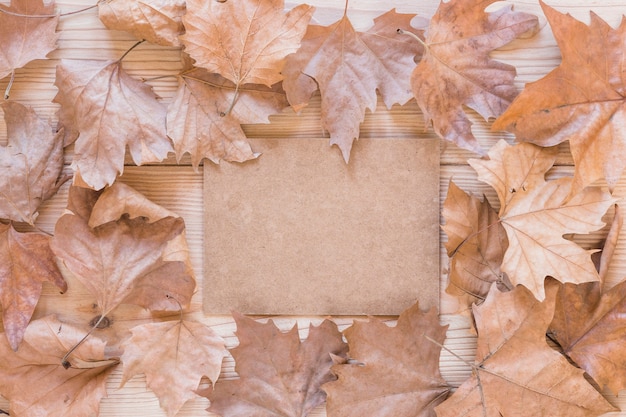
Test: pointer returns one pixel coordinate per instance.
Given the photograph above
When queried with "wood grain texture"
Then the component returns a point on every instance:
(179, 187)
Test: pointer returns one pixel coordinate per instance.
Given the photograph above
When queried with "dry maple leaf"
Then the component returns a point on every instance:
(26, 261)
(516, 373)
(476, 245)
(198, 121)
(105, 110)
(136, 260)
(589, 326)
(588, 322)
(279, 375)
(582, 100)
(31, 163)
(249, 49)
(349, 67)
(174, 356)
(456, 69)
(24, 39)
(602, 258)
(536, 214)
(37, 385)
(157, 21)
(398, 370)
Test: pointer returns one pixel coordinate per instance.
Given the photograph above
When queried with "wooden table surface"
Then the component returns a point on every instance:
(179, 188)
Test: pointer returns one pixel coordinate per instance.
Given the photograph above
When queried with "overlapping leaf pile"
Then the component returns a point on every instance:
(511, 263)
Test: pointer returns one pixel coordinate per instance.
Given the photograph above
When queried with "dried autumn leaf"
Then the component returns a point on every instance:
(252, 47)
(536, 214)
(582, 100)
(31, 163)
(589, 326)
(174, 355)
(26, 261)
(136, 260)
(398, 370)
(456, 69)
(476, 245)
(279, 375)
(35, 382)
(602, 258)
(157, 21)
(516, 373)
(105, 110)
(349, 67)
(24, 39)
(198, 120)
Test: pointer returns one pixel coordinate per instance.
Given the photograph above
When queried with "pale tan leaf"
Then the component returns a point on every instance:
(157, 21)
(244, 41)
(24, 39)
(123, 261)
(31, 163)
(536, 215)
(174, 356)
(350, 67)
(120, 199)
(37, 385)
(111, 111)
(200, 123)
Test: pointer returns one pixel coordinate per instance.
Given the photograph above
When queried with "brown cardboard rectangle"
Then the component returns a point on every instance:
(298, 231)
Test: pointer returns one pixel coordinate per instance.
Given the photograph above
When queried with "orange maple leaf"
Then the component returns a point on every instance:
(515, 372)
(582, 100)
(456, 69)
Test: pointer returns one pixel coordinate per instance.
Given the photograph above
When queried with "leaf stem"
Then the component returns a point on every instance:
(64, 361)
(180, 306)
(8, 90)
(81, 10)
(413, 35)
(130, 49)
(474, 234)
(430, 339)
(160, 77)
(48, 16)
(232, 104)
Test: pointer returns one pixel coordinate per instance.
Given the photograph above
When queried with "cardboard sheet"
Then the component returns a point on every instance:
(298, 231)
